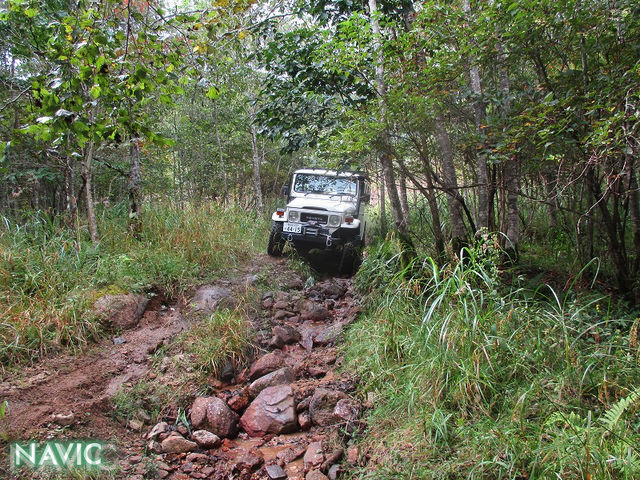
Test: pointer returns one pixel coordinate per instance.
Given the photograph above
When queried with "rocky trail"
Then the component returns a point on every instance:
(289, 412)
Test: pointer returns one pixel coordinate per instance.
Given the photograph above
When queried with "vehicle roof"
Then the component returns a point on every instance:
(334, 173)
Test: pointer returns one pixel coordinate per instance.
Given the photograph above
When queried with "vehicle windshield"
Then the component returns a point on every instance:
(324, 185)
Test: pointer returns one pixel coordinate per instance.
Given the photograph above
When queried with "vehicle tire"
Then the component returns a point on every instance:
(349, 260)
(276, 243)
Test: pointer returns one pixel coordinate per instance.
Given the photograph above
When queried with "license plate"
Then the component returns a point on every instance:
(291, 228)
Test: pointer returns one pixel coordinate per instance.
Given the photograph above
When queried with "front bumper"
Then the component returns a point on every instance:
(321, 236)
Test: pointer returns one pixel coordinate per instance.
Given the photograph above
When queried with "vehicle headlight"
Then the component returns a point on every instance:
(334, 220)
(294, 216)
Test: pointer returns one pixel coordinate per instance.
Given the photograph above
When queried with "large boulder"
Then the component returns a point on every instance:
(281, 376)
(213, 414)
(323, 404)
(273, 411)
(122, 310)
(266, 364)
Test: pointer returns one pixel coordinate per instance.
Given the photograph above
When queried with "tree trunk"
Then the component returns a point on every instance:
(225, 181)
(449, 178)
(402, 190)
(383, 208)
(257, 184)
(400, 221)
(134, 187)
(88, 190)
(481, 162)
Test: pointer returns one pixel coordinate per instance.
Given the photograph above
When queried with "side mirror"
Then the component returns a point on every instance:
(366, 198)
(285, 190)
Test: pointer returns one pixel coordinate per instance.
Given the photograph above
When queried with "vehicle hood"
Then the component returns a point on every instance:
(337, 204)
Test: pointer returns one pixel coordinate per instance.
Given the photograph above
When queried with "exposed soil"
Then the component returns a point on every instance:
(71, 397)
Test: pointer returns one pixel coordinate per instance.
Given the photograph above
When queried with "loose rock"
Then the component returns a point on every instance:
(177, 444)
(206, 439)
(213, 414)
(266, 364)
(313, 456)
(316, 475)
(278, 377)
(208, 298)
(273, 411)
(322, 406)
(275, 472)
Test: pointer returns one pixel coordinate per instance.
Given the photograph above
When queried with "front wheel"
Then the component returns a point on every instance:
(349, 260)
(276, 244)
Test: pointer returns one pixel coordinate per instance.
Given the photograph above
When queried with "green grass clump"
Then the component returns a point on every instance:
(222, 337)
(50, 275)
(473, 379)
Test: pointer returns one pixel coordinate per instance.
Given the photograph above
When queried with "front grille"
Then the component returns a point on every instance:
(313, 217)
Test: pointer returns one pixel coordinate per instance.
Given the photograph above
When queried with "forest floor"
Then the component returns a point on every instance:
(292, 410)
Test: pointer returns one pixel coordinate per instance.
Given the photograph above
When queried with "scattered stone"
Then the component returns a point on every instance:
(206, 439)
(213, 414)
(284, 335)
(281, 305)
(275, 472)
(273, 411)
(177, 444)
(208, 470)
(64, 419)
(209, 298)
(304, 404)
(267, 303)
(335, 457)
(182, 430)
(135, 425)
(314, 312)
(159, 428)
(119, 340)
(304, 420)
(122, 310)
(162, 474)
(290, 454)
(334, 471)
(187, 467)
(347, 409)
(154, 446)
(328, 335)
(316, 475)
(197, 457)
(353, 454)
(322, 406)
(266, 364)
(317, 371)
(281, 315)
(278, 377)
(238, 401)
(250, 461)
(313, 457)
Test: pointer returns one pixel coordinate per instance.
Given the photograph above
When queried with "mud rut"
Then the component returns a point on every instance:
(70, 397)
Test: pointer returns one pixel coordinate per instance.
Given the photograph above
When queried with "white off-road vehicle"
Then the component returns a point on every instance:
(326, 210)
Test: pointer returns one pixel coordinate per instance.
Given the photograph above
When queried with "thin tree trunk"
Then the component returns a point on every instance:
(134, 188)
(383, 208)
(225, 180)
(402, 190)
(257, 184)
(88, 190)
(481, 162)
(449, 178)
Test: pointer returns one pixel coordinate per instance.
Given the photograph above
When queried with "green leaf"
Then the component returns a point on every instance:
(213, 93)
(95, 91)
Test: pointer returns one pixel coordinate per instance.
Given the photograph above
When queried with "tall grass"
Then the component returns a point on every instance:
(50, 275)
(472, 379)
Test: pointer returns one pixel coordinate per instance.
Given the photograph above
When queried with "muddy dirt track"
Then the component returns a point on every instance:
(296, 360)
